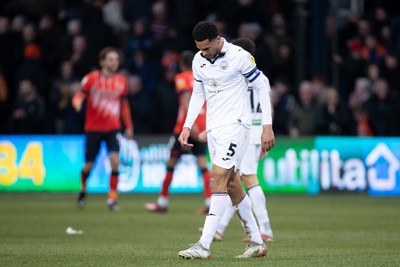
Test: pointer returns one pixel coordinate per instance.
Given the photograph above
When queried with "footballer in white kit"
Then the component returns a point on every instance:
(217, 82)
(250, 159)
(221, 74)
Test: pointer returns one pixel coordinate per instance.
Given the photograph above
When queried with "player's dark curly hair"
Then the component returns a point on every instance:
(205, 30)
(246, 44)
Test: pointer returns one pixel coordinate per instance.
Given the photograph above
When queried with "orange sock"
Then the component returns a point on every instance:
(206, 183)
(167, 182)
(113, 193)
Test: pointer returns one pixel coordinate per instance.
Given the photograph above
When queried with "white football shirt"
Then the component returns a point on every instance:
(223, 83)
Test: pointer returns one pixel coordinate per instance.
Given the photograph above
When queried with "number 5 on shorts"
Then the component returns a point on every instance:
(231, 150)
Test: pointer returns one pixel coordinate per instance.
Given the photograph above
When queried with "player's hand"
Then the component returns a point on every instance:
(267, 138)
(203, 136)
(77, 104)
(77, 101)
(263, 154)
(129, 133)
(184, 137)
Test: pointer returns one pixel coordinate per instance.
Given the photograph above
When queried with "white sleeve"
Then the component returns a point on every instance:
(260, 83)
(195, 104)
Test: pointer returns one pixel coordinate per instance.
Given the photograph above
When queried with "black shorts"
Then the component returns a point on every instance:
(198, 149)
(93, 142)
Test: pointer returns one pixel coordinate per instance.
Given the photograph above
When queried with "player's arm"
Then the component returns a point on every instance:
(80, 96)
(77, 100)
(126, 118)
(267, 137)
(195, 105)
(255, 77)
(126, 113)
(185, 100)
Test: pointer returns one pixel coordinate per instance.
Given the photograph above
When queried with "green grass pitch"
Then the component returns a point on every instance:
(328, 230)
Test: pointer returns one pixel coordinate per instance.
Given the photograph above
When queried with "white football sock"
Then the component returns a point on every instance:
(248, 221)
(219, 203)
(259, 207)
(226, 218)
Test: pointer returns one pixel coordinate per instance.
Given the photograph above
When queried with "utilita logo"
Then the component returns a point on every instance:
(377, 170)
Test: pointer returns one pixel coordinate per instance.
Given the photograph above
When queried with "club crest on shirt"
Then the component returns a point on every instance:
(223, 65)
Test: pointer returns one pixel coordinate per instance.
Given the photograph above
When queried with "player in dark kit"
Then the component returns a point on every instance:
(184, 88)
(105, 92)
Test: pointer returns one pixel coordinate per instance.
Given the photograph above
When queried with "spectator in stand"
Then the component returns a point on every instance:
(351, 66)
(303, 119)
(28, 116)
(148, 68)
(283, 64)
(81, 57)
(142, 106)
(166, 101)
(48, 36)
(363, 30)
(361, 122)
(278, 33)
(373, 52)
(361, 93)
(391, 72)
(64, 45)
(373, 72)
(333, 119)
(7, 63)
(254, 32)
(381, 22)
(138, 39)
(61, 95)
(97, 33)
(158, 25)
(4, 107)
(113, 17)
(283, 103)
(32, 69)
(381, 108)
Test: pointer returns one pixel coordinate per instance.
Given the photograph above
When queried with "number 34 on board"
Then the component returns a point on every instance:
(30, 166)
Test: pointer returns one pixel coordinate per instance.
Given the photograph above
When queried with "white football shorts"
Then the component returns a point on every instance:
(227, 144)
(250, 160)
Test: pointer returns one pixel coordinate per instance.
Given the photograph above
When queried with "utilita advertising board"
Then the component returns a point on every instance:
(299, 166)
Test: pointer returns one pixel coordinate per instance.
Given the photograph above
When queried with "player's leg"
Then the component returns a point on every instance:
(161, 206)
(259, 207)
(241, 201)
(230, 211)
(92, 145)
(249, 178)
(219, 198)
(113, 150)
(199, 150)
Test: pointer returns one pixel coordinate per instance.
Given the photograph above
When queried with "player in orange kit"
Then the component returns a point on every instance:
(105, 92)
(184, 88)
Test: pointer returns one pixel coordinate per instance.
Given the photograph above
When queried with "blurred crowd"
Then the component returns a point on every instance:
(46, 49)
